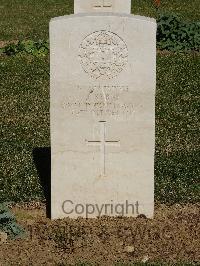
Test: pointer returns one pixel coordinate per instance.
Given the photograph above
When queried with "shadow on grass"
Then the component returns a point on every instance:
(42, 160)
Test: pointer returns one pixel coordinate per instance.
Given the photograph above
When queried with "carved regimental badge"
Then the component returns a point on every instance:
(103, 55)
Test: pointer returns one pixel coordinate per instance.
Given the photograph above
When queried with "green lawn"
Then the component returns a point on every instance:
(187, 10)
(28, 19)
(24, 83)
(25, 126)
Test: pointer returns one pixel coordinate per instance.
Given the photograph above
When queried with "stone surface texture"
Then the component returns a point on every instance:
(103, 79)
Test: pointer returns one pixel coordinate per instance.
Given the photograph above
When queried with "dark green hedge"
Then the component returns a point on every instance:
(175, 35)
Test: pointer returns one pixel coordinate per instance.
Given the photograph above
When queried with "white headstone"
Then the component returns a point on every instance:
(89, 6)
(103, 79)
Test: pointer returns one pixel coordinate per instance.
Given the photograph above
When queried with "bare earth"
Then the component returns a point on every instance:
(4, 43)
(172, 236)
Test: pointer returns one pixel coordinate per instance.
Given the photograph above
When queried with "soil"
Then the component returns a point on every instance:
(4, 43)
(171, 237)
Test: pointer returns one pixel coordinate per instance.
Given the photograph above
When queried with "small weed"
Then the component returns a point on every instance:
(40, 48)
(8, 223)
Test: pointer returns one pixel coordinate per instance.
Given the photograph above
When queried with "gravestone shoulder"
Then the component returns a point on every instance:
(133, 17)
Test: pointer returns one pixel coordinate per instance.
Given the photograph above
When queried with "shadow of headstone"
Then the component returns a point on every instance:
(42, 160)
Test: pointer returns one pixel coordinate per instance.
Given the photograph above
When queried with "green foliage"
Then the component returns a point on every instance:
(40, 48)
(177, 127)
(28, 19)
(187, 10)
(8, 223)
(172, 34)
(176, 177)
(176, 35)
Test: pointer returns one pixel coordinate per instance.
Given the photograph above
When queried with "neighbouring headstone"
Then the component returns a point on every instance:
(88, 6)
(103, 79)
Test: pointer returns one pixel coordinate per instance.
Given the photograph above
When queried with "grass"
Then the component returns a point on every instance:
(177, 127)
(24, 82)
(187, 10)
(25, 126)
(25, 119)
(27, 19)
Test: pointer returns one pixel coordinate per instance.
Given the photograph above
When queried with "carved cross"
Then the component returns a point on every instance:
(102, 143)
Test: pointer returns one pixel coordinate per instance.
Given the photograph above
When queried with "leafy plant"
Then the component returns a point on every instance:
(8, 223)
(172, 34)
(39, 48)
(176, 35)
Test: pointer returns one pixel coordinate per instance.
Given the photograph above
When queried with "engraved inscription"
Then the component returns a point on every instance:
(101, 101)
(102, 3)
(103, 55)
